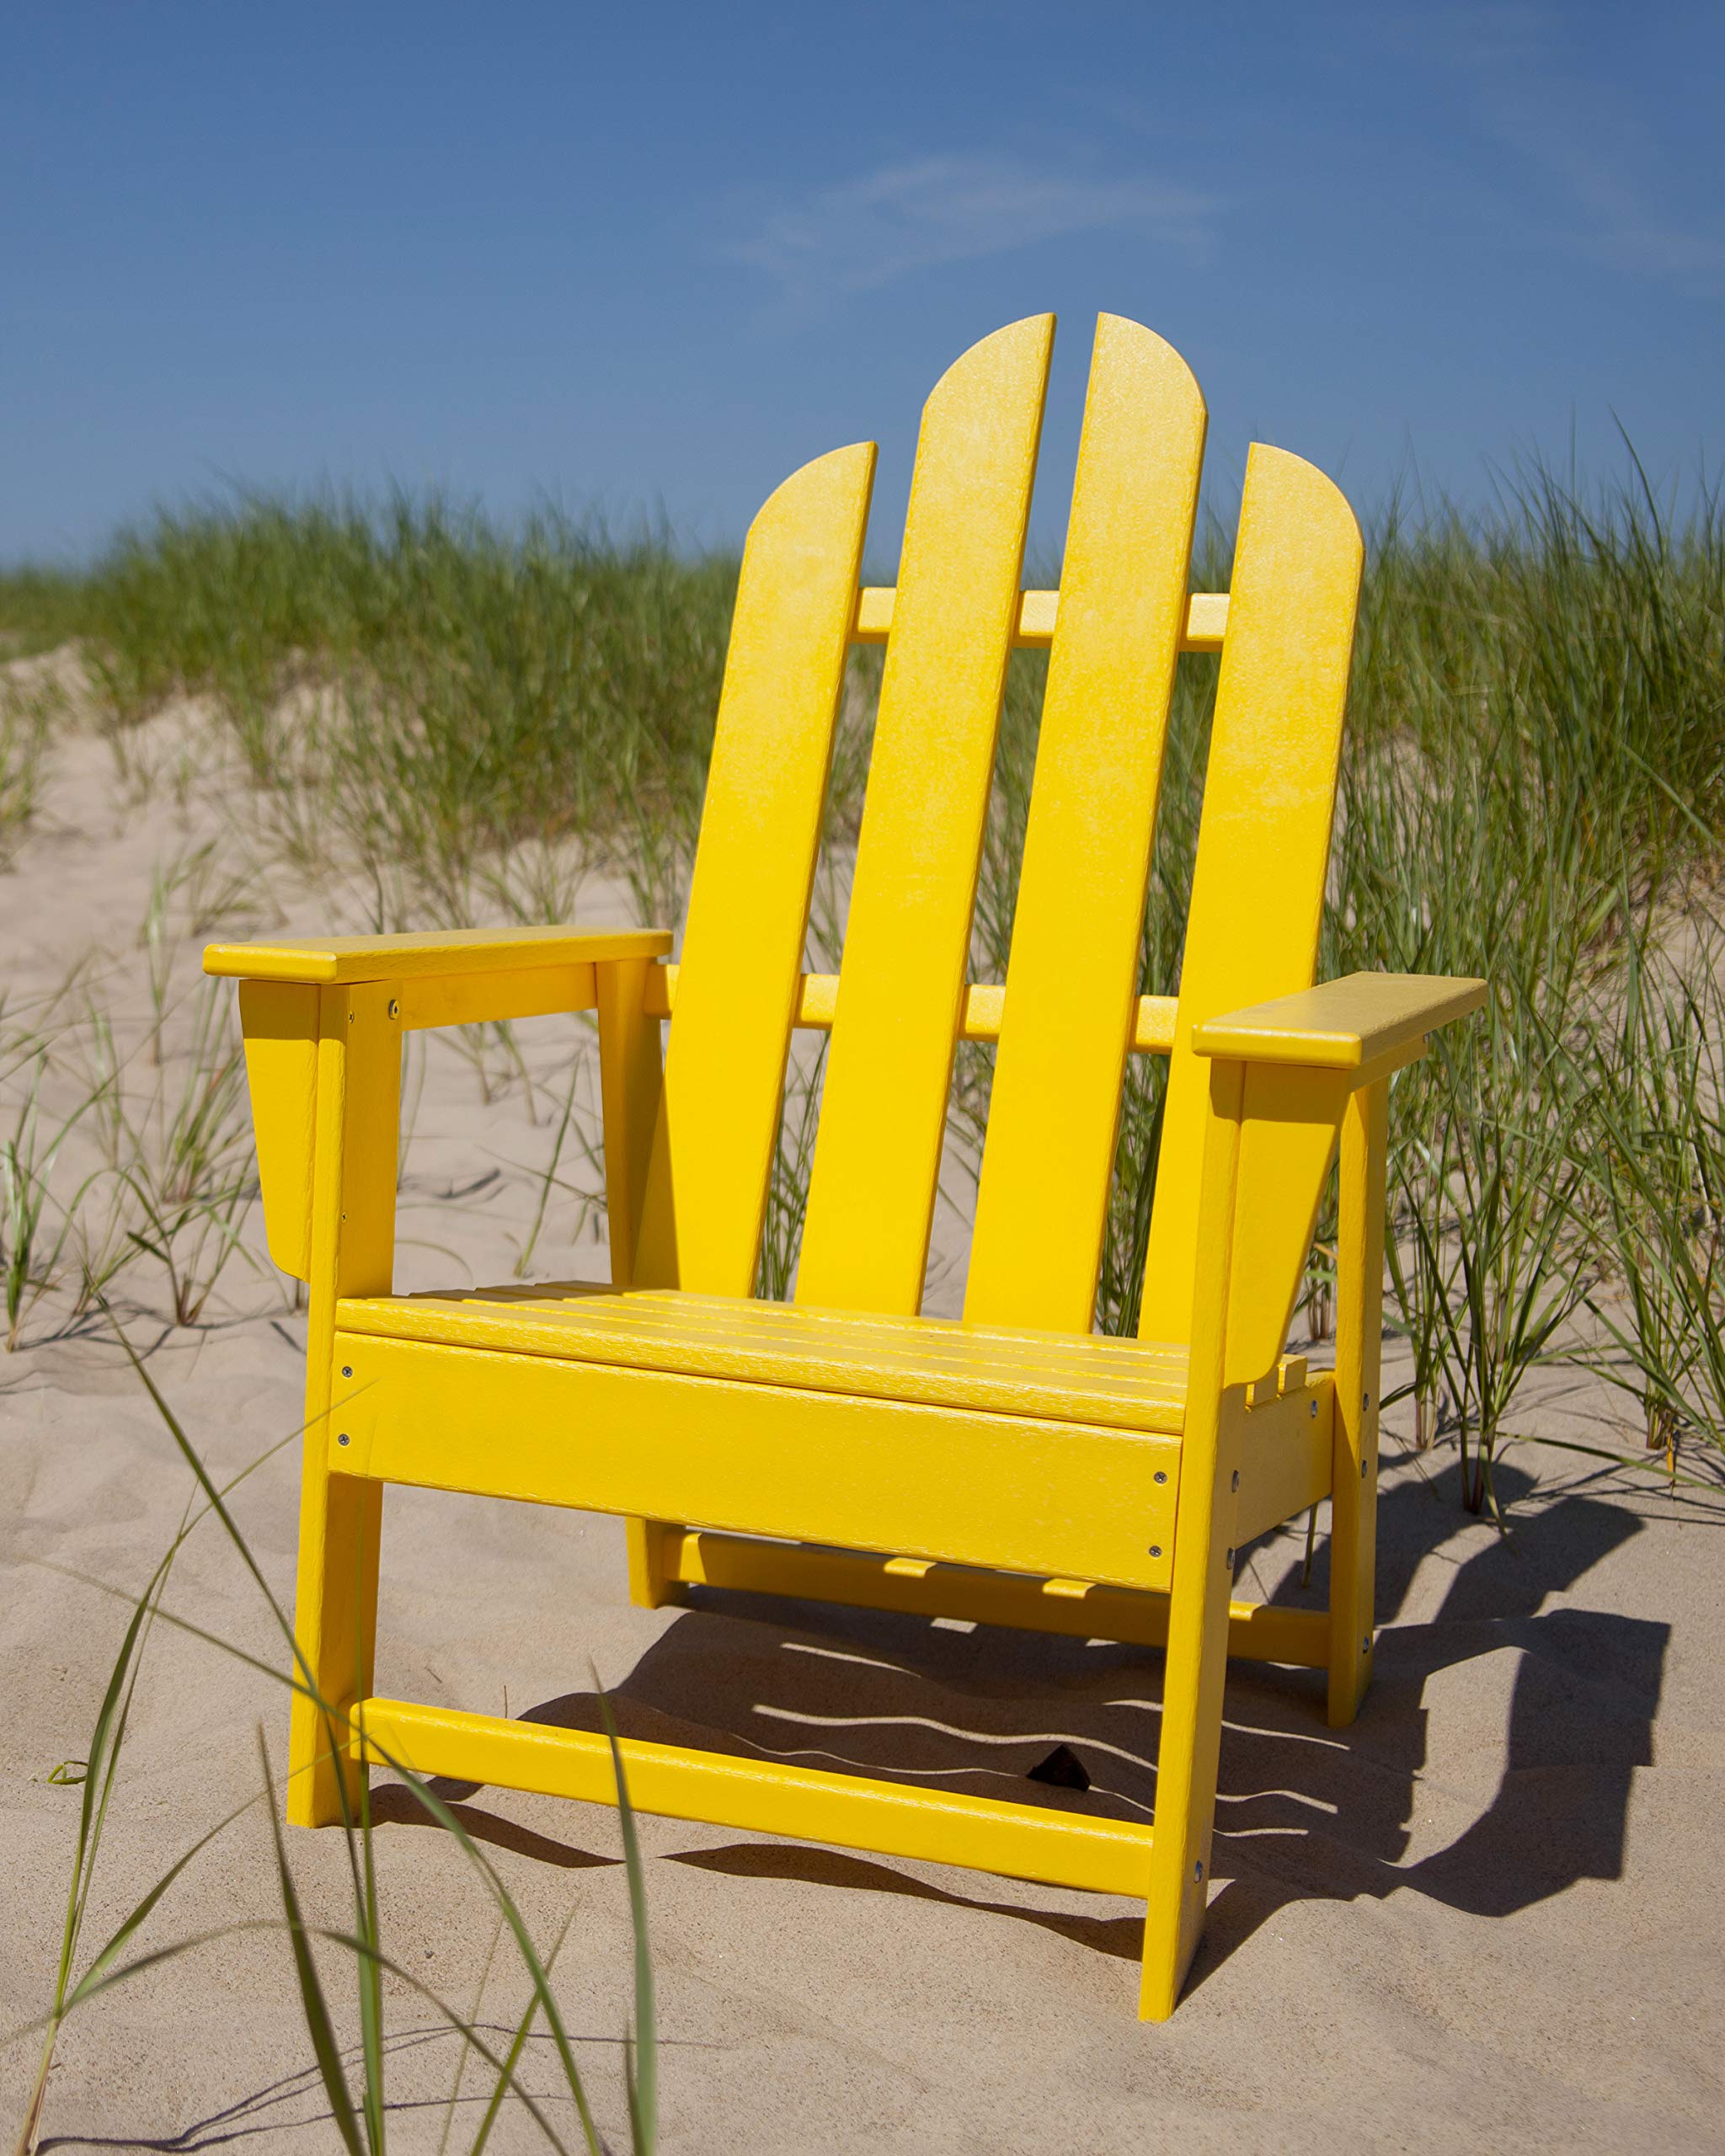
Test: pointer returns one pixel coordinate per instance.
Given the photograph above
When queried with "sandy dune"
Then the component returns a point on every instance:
(1487, 1917)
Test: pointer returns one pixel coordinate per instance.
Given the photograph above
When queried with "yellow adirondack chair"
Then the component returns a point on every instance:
(1012, 1468)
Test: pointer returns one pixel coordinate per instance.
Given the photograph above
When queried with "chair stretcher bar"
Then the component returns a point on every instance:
(848, 1811)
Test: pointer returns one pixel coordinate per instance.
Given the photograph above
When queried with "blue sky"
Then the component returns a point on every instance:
(652, 257)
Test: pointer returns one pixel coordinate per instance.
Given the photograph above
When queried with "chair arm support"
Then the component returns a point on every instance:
(1291, 1074)
(1354, 1024)
(330, 961)
(299, 998)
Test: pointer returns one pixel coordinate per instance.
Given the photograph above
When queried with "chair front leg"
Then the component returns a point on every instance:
(1195, 1670)
(1197, 1657)
(630, 1067)
(353, 1243)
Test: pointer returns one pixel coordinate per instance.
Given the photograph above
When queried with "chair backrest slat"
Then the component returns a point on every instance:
(743, 946)
(901, 979)
(1263, 843)
(1072, 978)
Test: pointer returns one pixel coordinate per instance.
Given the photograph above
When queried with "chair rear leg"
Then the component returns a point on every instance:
(335, 1627)
(653, 1545)
(1353, 1501)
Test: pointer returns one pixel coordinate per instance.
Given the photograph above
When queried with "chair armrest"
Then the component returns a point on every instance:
(1352, 1024)
(327, 961)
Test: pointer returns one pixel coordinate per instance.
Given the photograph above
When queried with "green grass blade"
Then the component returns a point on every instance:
(311, 2000)
(93, 1978)
(505, 2077)
(643, 2070)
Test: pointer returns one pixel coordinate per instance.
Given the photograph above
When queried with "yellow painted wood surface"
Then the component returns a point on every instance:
(1071, 990)
(742, 955)
(328, 959)
(1026, 1493)
(631, 1090)
(1195, 1663)
(279, 1020)
(984, 1007)
(1264, 835)
(1258, 1632)
(1010, 1469)
(652, 1546)
(1285, 1448)
(353, 1241)
(1359, 1292)
(1125, 1385)
(472, 998)
(1203, 624)
(1341, 1025)
(1290, 1118)
(901, 984)
(760, 1795)
(1310, 1053)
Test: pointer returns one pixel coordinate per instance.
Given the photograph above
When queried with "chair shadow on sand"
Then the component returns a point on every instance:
(1304, 1813)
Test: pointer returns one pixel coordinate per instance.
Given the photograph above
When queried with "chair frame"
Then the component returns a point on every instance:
(1288, 1081)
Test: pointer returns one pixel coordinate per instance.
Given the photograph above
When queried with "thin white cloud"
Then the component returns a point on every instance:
(870, 231)
(1585, 152)
(1580, 143)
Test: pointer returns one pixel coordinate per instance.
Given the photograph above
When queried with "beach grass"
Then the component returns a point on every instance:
(464, 720)
(353, 2078)
(460, 719)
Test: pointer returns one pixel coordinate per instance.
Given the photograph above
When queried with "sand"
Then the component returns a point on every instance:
(1485, 1918)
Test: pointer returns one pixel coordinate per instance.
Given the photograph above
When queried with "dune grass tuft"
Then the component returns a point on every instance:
(463, 720)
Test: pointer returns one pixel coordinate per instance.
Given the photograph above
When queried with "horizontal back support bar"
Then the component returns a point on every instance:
(543, 991)
(1206, 618)
(736, 1563)
(817, 1000)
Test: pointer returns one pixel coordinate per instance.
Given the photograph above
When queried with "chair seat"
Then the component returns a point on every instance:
(1046, 1452)
(1113, 1384)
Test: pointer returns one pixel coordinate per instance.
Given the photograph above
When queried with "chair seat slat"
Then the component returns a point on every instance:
(1116, 1384)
